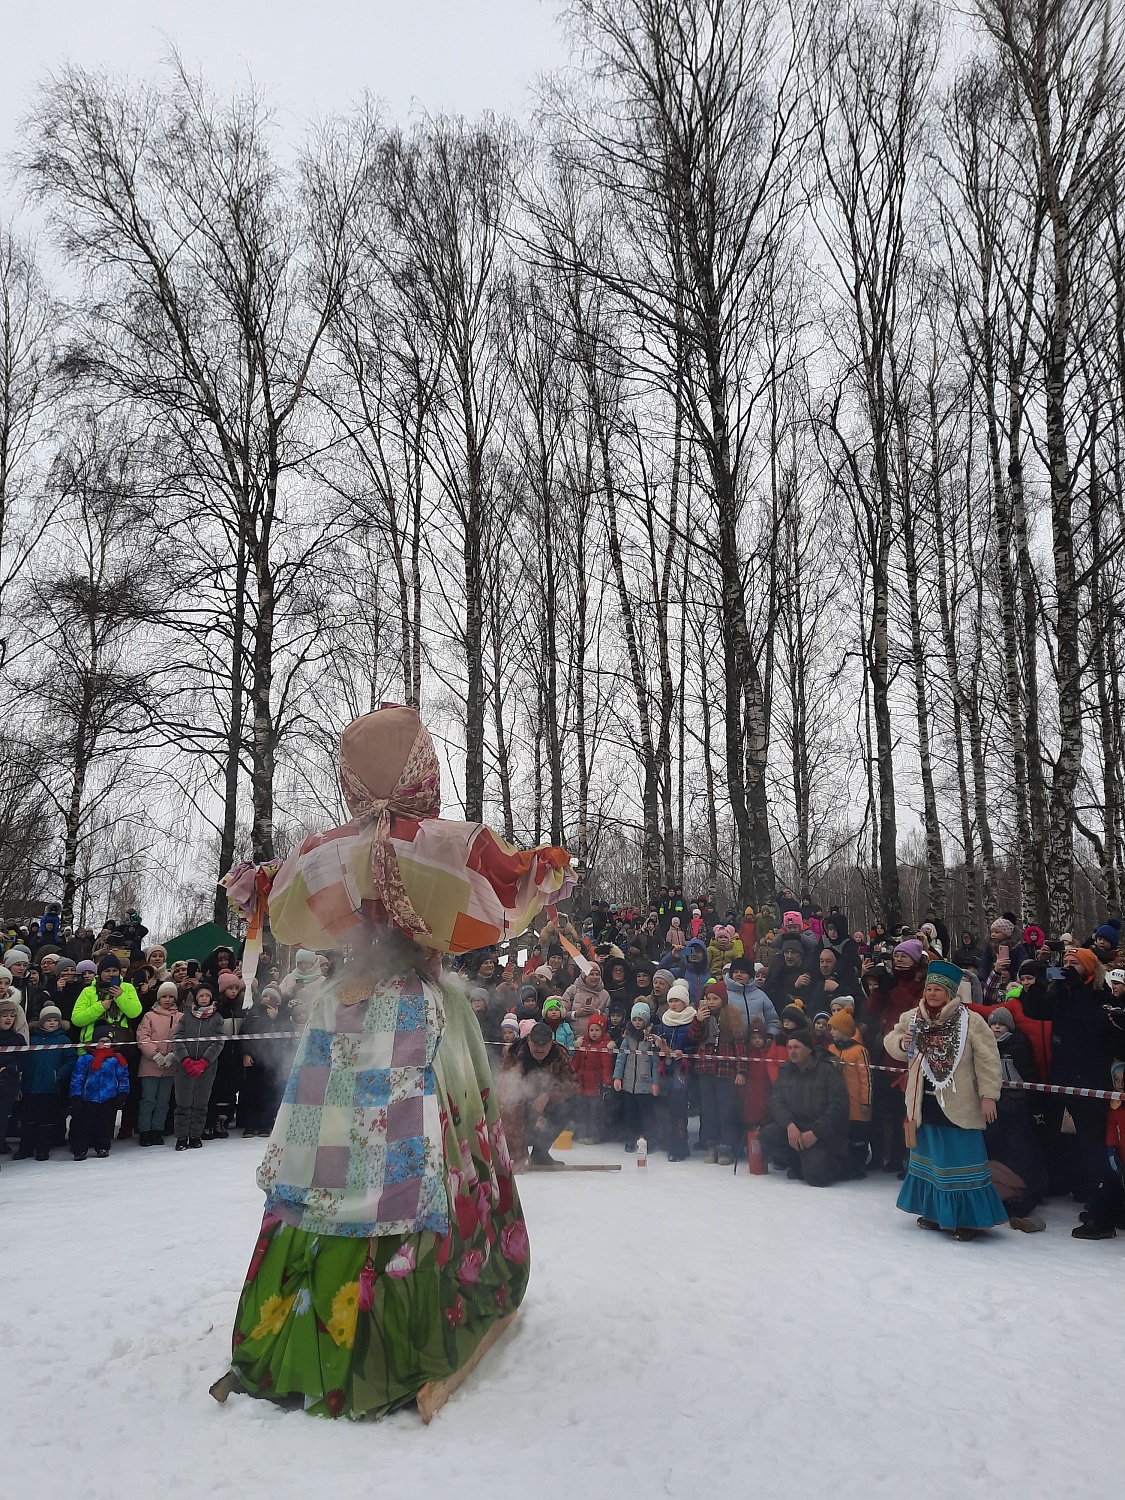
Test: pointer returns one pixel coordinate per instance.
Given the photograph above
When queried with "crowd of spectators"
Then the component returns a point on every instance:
(755, 1037)
(769, 1030)
(105, 1039)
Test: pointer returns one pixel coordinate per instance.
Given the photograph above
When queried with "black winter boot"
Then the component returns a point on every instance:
(1094, 1230)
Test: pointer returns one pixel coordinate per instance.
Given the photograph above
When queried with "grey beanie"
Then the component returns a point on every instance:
(666, 974)
(1004, 1016)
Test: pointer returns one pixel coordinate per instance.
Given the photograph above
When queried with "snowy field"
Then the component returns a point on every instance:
(686, 1333)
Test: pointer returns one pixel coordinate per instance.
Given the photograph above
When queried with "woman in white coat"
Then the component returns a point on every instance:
(952, 1085)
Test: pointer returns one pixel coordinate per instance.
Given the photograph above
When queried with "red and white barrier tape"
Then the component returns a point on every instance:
(283, 1036)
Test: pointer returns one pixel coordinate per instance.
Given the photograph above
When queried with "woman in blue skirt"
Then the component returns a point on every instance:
(952, 1085)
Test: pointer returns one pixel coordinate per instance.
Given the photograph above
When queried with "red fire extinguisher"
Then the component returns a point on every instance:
(756, 1160)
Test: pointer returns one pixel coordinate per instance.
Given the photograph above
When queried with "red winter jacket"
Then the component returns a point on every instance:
(1038, 1033)
(593, 1066)
(886, 1002)
(748, 936)
(1115, 1130)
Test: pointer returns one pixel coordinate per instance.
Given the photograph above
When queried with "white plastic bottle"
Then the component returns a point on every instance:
(642, 1151)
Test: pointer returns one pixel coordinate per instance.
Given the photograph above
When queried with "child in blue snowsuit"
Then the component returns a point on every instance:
(99, 1078)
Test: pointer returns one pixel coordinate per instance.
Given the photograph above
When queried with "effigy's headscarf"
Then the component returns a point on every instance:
(388, 768)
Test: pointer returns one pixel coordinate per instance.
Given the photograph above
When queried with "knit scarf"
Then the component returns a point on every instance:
(679, 1017)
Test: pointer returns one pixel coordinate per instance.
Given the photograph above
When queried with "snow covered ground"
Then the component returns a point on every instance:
(686, 1333)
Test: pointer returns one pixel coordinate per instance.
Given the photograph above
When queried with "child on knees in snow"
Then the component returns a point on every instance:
(673, 1037)
(636, 1080)
(99, 1079)
(593, 1071)
(48, 1070)
(719, 1036)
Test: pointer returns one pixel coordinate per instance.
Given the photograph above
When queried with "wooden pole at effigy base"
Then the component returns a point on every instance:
(435, 1393)
(566, 1166)
(226, 1385)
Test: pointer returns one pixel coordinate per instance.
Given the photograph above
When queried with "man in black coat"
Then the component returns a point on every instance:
(788, 978)
(1081, 1054)
(808, 1132)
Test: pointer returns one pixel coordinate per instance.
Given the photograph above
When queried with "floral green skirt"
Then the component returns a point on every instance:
(356, 1327)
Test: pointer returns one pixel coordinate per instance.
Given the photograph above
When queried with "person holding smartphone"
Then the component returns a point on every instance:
(108, 999)
(1001, 956)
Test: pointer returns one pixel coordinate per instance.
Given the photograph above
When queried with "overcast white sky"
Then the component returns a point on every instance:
(311, 56)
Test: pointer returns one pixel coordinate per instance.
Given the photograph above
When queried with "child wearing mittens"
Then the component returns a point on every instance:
(99, 1080)
(196, 1046)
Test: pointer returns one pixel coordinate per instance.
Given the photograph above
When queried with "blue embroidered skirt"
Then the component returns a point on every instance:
(948, 1180)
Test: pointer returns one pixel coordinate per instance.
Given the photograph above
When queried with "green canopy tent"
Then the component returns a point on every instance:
(200, 941)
